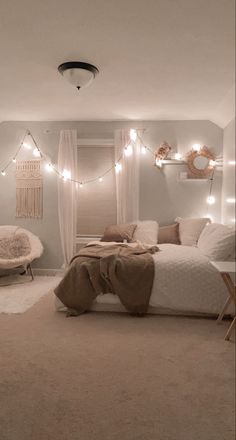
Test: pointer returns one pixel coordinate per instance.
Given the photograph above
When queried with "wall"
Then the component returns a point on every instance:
(228, 188)
(162, 197)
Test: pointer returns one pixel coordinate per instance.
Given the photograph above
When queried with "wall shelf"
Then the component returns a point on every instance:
(173, 162)
(193, 180)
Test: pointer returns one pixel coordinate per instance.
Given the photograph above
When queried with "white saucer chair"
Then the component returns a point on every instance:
(34, 250)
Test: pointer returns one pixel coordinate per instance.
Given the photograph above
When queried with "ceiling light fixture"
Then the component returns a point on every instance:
(78, 74)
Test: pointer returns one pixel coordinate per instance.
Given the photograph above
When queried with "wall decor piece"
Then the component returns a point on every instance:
(201, 163)
(29, 189)
(162, 153)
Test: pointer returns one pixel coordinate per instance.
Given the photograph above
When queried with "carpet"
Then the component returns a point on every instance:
(17, 298)
(110, 376)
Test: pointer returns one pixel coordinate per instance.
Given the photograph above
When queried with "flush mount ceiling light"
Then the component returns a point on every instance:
(77, 73)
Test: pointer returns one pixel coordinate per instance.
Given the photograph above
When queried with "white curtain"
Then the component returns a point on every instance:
(127, 180)
(67, 164)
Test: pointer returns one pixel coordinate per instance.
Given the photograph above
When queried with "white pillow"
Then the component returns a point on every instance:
(217, 242)
(190, 229)
(146, 231)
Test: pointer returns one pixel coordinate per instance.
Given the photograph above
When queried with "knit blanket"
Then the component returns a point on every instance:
(124, 270)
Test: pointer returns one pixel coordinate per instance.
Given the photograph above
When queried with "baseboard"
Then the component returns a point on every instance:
(48, 272)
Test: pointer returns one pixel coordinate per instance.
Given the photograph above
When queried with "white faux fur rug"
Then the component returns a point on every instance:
(18, 298)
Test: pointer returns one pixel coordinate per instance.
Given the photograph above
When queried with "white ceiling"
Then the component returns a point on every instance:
(158, 59)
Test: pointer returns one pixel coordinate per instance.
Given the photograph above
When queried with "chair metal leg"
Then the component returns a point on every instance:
(29, 269)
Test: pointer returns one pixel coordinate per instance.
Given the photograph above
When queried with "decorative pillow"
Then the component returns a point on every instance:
(190, 229)
(14, 246)
(169, 234)
(217, 242)
(119, 233)
(146, 232)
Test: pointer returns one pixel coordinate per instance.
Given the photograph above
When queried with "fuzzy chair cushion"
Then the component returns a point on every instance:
(14, 246)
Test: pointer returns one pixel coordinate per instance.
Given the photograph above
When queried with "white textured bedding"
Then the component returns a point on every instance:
(185, 281)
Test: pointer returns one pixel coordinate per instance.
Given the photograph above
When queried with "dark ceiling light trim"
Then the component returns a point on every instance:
(78, 65)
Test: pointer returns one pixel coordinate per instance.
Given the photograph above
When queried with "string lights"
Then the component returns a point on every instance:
(28, 140)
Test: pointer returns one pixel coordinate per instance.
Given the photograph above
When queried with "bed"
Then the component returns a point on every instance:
(185, 282)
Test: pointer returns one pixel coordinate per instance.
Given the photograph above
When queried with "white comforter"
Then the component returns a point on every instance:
(184, 281)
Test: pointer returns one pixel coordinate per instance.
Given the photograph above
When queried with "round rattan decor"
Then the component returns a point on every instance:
(192, 155)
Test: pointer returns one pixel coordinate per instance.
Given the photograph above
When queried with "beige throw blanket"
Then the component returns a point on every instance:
(126, 271)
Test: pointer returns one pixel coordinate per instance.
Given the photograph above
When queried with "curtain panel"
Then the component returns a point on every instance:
(127, 181)
(67, 161)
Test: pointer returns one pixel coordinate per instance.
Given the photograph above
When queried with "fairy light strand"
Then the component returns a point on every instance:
(66, 176)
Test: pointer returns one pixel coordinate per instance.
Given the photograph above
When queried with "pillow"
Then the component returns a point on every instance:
(14, 246)
(190, 229)
(217, 242)
(119, 233)
(169, 234)
(146, 232)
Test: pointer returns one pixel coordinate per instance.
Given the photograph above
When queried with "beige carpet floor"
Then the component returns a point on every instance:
(114, 377)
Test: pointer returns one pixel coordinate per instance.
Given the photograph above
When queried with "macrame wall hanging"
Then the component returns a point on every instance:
(29, 189)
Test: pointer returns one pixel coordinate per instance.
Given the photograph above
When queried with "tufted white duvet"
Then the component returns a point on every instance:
(184, 281)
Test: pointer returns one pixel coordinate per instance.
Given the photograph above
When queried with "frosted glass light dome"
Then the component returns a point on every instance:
(78, 74)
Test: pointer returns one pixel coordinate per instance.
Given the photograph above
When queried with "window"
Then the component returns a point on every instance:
(96, 200)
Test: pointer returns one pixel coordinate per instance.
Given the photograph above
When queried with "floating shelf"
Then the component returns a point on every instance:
(173, 162)
(193, 180)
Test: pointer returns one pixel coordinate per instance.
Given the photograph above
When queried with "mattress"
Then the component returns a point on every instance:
(184, 282)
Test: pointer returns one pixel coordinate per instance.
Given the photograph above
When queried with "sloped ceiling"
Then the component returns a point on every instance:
(158, 59)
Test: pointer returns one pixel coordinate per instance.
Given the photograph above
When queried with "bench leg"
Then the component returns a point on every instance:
(222, 313)
(230, 330)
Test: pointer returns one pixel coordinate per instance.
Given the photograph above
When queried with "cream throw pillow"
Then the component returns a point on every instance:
(217, 242)
(146, 232)
(190, 229)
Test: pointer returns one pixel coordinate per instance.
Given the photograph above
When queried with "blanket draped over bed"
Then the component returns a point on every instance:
(126, 271)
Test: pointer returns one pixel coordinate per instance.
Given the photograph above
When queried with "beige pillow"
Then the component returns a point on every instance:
(169, 234)
(190, 229)
(119, 233)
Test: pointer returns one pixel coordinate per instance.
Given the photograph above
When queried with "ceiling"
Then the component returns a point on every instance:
(158, 59)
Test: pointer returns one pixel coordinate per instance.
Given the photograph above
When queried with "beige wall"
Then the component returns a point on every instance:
(162, 197)
(228, 188)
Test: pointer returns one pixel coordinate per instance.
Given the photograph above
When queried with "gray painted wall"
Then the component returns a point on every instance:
(228, 188)
(162, 197)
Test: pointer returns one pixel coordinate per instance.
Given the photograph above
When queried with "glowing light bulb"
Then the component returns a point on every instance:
(81, 185)
(230, 200)
(196, 147)
(100, 179)
(14, 160)
(48, 167)
(143, 150)
(118, 167)
(66, 174)
(231, 162)
(129, 150)
(212, 163)
(178, 156)
(36, 152)
(133, 134)
(3, 173)
(211, 200)
(26, 145)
